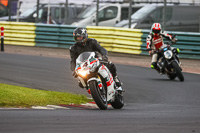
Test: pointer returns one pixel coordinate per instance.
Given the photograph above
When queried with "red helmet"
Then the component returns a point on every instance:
(156, 28)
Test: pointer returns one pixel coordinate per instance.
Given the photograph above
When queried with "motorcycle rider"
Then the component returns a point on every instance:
(155, 42)
(85, 44)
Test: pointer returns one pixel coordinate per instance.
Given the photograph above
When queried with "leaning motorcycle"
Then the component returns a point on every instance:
(168, 62)
(97, 79)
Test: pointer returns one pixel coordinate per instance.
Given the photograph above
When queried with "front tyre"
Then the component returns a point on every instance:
(98, 95)
(178, 71)
(171, 76)
(119, 100)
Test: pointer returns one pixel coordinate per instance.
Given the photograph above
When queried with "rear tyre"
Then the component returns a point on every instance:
(98, 95)
(178, 71)
(119, 100)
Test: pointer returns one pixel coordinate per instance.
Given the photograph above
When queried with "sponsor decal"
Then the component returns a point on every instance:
(109, 82)
(103, 67)
(158, 42)
(89, 91)
(100, 85)
(78, 68)
(93, 62)
(92, 59)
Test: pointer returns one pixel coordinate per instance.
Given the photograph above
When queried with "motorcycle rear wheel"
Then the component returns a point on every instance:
(99, 98)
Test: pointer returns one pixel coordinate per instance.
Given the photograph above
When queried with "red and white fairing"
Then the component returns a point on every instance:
(105, 73)
(85, 68)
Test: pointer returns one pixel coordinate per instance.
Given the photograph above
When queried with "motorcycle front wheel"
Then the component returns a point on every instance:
(98, 95)
(171, 76)
(178, 71)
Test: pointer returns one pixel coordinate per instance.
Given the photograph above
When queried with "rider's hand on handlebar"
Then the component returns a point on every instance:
(174, 40)
(150, 52)
(105, 58)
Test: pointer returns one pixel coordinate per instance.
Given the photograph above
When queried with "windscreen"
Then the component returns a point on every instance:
(83, 57)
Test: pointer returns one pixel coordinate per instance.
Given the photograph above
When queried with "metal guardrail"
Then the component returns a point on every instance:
(19, 33)
(31, 34)
(54, 36)
(122, 40)
(117, 39)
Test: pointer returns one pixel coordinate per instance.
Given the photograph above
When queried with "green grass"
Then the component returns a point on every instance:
(16, 96)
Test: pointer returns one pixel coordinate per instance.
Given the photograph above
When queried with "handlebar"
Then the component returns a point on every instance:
(169, 43)
(173, 36)
(102, 61)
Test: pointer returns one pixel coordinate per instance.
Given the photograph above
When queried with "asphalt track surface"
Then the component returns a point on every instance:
(154, 104)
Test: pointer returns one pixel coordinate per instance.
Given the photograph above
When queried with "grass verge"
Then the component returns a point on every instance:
(16, 96)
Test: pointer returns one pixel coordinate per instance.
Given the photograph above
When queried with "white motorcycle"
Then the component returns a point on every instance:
(97, 79)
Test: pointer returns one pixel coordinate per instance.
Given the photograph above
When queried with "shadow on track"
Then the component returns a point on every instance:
(169, 80)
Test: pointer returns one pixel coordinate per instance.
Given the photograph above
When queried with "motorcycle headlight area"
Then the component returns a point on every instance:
(93, 67)
(82, 73)
(168, 54)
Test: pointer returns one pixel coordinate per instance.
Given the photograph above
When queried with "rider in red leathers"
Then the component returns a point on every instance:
(155, 42)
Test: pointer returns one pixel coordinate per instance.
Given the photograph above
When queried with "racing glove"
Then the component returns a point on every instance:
(105, 58)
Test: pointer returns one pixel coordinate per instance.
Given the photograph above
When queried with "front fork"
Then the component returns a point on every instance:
(82, 82)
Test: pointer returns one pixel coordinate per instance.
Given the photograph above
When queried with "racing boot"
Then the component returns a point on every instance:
(117, 81)
(154, 66)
